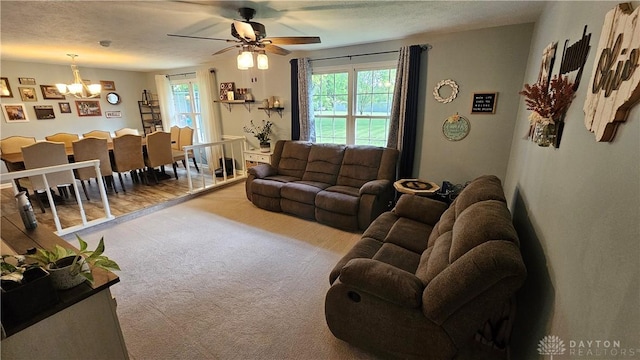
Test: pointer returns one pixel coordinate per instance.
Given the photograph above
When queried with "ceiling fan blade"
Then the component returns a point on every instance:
(275, 49)
(225, 50)
(293, 40)
(199, 37)
(244, 31)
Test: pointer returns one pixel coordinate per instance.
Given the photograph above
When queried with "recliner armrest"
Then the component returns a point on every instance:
(420, 208)
(374, 187)
(262, 171)
(384, 281)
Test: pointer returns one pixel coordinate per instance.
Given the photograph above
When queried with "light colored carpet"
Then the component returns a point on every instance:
(217, 278)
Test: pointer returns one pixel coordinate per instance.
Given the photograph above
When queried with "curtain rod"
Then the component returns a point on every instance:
(181, 74)
(423, 47)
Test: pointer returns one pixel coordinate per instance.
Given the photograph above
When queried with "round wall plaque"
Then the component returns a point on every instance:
(456, 129)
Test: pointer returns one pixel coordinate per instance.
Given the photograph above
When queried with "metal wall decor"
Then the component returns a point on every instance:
(454, 91)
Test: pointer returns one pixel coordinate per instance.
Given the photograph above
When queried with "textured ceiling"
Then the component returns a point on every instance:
(45, 31)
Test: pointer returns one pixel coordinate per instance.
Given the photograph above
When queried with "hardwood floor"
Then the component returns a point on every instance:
(137, 200)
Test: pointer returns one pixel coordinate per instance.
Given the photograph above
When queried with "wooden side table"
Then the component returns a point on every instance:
(255, 157)
(416, 187)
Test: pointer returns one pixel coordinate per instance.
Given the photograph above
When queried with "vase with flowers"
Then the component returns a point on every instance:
(548, 103)
(262, 133)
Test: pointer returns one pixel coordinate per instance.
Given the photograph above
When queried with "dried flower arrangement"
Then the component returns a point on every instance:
(548, 105)
(262, 133)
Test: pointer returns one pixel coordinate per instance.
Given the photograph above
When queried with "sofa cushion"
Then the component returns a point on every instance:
(324, 163)
(267, 187)
(302, 191)
(481, 222)
(409, 234)
(398, 256)
(337, 202)
(293, 160)
(365, 248)
(359, 165)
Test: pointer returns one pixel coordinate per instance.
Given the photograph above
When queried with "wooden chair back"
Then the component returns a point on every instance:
(92, 148)
(99, 134)
(127, 153)
(66, 138)
(14, 144)
(43, 154)
(175, 137)
(159, 149)
(127, 131)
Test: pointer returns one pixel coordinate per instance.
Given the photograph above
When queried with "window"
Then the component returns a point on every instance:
(186, 106)
(353, 106)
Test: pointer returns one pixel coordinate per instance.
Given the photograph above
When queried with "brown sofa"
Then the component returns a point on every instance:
(427, 281)
(344, 186)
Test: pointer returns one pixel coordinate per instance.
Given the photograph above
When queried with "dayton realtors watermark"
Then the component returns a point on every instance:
(552, 345)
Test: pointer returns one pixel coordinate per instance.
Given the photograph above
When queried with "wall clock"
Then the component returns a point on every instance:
(456, 127)
(113, 98)
(454, 91)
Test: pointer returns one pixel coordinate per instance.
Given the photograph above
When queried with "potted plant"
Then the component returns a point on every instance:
(26, 289)
(69, 268)
(262, 133)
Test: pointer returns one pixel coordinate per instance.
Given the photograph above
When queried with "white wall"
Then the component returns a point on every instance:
(577, 210)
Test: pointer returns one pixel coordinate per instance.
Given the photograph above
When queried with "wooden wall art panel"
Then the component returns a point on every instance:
(615, 80)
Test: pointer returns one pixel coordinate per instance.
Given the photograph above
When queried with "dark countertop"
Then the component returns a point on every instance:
(20, 240)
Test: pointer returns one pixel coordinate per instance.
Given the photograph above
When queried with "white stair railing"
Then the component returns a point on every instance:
(66, 167)
(230, 146)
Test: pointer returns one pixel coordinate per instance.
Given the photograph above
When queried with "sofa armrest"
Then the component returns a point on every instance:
(375, 187)
(262, 171)
(420, 208)
(384, 281)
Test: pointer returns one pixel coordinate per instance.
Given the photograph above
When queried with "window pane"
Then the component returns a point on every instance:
(371, 131)
(331, 130)
(181, 98)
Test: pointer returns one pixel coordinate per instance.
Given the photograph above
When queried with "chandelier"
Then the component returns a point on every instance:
(78, 88)
(245, 58)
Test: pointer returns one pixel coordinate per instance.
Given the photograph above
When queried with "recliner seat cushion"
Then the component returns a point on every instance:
(302, 191)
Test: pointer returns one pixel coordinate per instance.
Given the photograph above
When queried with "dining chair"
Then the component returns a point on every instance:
(13, 145)
(128, 156)
(175, 137)
(159, 153)
(185, 139)
(127, 131)
(99, 134)
(43, 154)
(66, 138)
(92, 148)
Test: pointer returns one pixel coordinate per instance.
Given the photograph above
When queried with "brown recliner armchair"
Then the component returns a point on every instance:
(427, 281)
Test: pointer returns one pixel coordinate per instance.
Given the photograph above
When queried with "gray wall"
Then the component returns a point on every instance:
(577, 210)
(129, 86)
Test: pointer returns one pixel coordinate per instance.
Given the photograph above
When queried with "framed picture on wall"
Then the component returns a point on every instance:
(14, 113)
(51, 92)
(88, 108)
(107, 85)
(44, 112)
(28, 94)
(5, 88)
(65, 108)
(27, 81)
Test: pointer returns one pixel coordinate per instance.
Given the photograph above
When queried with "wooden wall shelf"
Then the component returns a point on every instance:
(229, 104)
(275, 109)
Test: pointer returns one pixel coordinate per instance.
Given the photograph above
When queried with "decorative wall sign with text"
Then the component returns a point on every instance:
(575, 56)
(484, 103)
(615, 80)
(113, 114)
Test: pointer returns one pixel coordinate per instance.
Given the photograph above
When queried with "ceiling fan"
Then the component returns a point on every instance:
(253, 36)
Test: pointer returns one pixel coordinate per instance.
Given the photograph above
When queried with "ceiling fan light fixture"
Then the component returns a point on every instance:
(263, 61)
(78, 88)
(245, 60)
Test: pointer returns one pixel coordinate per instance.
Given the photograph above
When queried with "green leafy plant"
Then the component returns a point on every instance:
(262, 133)
(94, 258)
(14, 267)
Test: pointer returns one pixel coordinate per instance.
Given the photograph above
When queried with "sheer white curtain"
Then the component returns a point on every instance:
(210, 114)
(165, 98)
